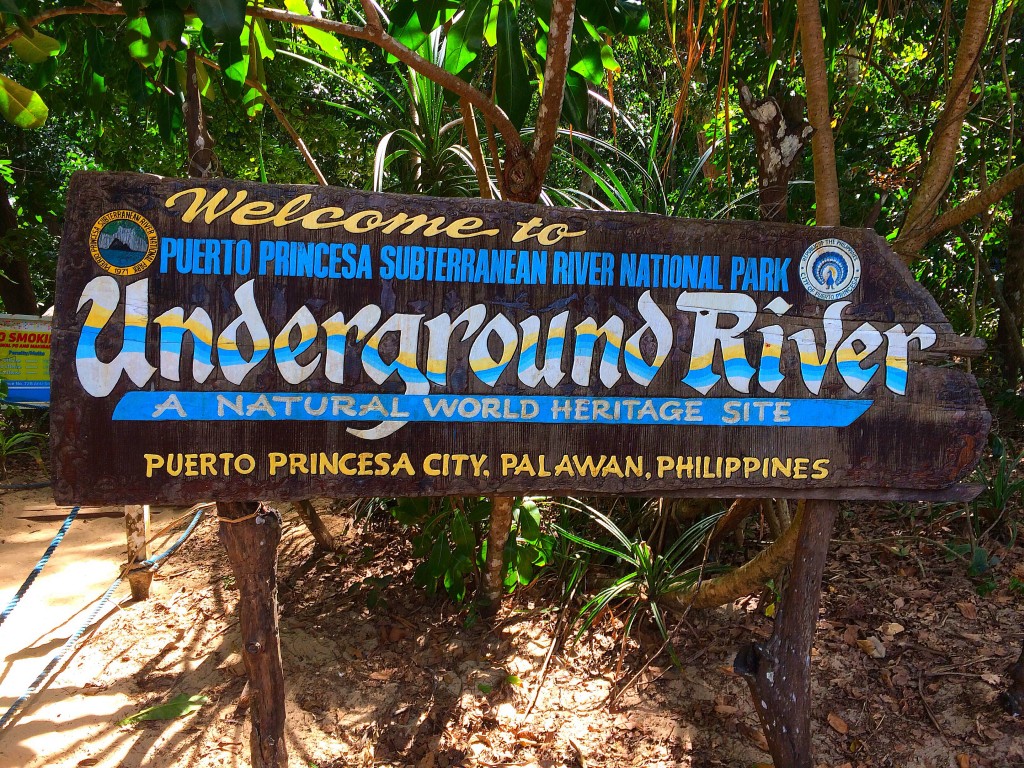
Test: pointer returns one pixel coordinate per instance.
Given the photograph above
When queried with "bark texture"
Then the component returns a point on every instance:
(749, 577)
(782, 132)
(1008, 338)
(779, 671)
(323, 537)
(497, 536)
(136, 521)
(826, 179)
(944, 147)
(251, 547)
(201, 159)
(1013, 698)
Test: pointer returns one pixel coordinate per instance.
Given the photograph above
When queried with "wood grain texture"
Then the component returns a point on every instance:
(917, 445)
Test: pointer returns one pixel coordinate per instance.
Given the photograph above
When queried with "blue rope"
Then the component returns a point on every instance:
(153, 561)
(68, 645)
(72, 641)
(40, 565)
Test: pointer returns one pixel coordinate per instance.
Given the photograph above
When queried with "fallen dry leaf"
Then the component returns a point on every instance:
(850, 635)
(991, 679)
(725, 709)
(892, 629)
(968, 610)
(963, 760)
(873, 647)
(838, 724)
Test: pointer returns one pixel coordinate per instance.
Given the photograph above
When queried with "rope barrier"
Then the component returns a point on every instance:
(40, 565)
(24, 486)
(72, 641)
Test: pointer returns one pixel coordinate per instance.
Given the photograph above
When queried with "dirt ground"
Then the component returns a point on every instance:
(415, 681)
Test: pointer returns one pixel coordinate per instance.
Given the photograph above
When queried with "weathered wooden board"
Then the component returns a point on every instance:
(287, 342)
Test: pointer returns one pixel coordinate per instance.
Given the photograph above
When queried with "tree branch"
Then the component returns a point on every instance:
(382, 39)
(372, 17)
(281, 118)
(944, 147)
(556, 66)
(373, 32)
(1016, 347)
(473, 139)
(97, 8)
(748, 578)
(823, 150)
(975, 205)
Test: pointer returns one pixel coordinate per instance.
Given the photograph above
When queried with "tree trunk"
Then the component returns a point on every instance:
(497, 537)
(250, 534)
(1007, 335)
(16, 291)
(1013, 698)
(779, 671)
(812, 50)
(782, 132)
(201, 158)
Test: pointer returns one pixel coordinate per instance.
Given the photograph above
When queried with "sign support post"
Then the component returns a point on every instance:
(136, 521)
(250, 533)
(779, 671)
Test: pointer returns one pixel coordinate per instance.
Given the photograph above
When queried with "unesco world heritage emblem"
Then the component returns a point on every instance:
(830, 269)
(123, 243)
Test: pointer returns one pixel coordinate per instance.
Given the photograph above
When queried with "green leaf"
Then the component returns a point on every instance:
(466, 36)
(529, 520)
(225, 18)
(462, 534)
(205, 83)
(260, 41)
(141, 44)
(576, 101)
(234, 64)
(512, 91)
(491, 23)
(586, 60)
(35, 47)
(327, 42)
(179, 706)
(20, 106)
(166, 21)
(616, 17)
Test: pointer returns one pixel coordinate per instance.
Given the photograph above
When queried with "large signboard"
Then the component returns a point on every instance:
(220, 339)
(25, 359)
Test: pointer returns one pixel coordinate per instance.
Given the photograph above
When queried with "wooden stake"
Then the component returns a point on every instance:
(136, 523)
(779, 671)
(251, 533)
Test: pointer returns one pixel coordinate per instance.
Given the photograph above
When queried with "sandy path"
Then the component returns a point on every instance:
(81, 569)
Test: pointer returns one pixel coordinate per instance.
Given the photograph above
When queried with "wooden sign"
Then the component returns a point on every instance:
(229, 340)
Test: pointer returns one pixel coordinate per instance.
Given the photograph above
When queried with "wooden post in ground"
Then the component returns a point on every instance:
(136, 522)
(779, 671)
(251, 532)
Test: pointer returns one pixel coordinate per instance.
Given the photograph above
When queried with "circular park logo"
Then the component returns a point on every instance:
(830, 269)
(123, 243)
